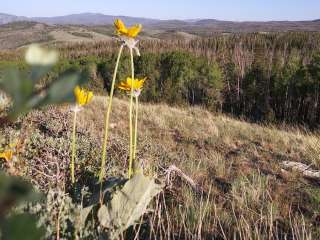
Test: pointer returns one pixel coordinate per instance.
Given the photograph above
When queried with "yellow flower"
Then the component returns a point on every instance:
(7, 155)
(122, 30)
(83, 97)
(136, 84)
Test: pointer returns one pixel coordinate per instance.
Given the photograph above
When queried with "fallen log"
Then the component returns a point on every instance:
(173, 170)
(302, 168)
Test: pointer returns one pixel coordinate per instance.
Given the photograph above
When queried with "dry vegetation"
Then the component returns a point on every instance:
(224, 178)
(16, 35)
(20, 34)
(241, 190)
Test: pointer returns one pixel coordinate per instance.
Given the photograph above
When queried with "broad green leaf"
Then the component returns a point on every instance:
(108, 187)
(61, 90)
(38, 71)
(128, 204)
(84, 213)
(17, 85)
(25, 97)
(32, 102)
(14, 190)
(23, 226)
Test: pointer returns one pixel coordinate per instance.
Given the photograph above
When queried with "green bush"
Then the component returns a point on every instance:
(176, 78)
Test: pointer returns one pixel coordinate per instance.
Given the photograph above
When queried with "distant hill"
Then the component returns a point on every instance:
(22, 33)
(213, 25)
(92, 19)
(192, 26)
(7, 18)
(77, 19)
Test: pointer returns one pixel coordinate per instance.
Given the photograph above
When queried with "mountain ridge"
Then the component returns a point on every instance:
(212, 25)
(92, 19)
(8, 18)
(108, 19)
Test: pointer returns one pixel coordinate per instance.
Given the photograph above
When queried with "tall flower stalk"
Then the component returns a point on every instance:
(136, 128)
(107, 118)
(73, 146)
(83, 97)
(127, 37)
(134, 87)
(131, 119)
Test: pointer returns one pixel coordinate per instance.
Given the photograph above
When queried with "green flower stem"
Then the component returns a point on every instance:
(107, 119)
(74, 145)
(130, 117)
(136, 130)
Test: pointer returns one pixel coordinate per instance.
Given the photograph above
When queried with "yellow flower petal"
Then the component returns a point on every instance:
(141, 82)
(134, 31)
(77, 91)
(121, 28)
(129, 81)
(124, 86)
(7, 155)
(89, 97)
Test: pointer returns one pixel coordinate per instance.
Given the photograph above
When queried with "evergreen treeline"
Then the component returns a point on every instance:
(263, 77)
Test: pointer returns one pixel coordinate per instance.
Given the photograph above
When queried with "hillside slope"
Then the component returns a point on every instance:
(7, 18)
(19, 34)
(14, 35)
(244, 191)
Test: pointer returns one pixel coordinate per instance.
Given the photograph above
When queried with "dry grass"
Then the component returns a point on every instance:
(15, 35)
(76, 34)
(245, 193)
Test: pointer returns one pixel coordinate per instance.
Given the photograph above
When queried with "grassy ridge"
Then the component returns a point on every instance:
(245, 193)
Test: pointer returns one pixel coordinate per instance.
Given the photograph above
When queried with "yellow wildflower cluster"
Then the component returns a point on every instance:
(132, 85)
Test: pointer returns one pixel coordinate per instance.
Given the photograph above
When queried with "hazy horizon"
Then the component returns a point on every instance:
(229, 10)
(179, 19)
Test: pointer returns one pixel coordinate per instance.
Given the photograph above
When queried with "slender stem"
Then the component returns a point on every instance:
(130, 117)
(73, 157)
(136, 129)
(58, 226)
(107, 118)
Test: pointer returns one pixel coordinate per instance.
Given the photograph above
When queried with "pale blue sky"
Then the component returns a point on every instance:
(238, 10)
